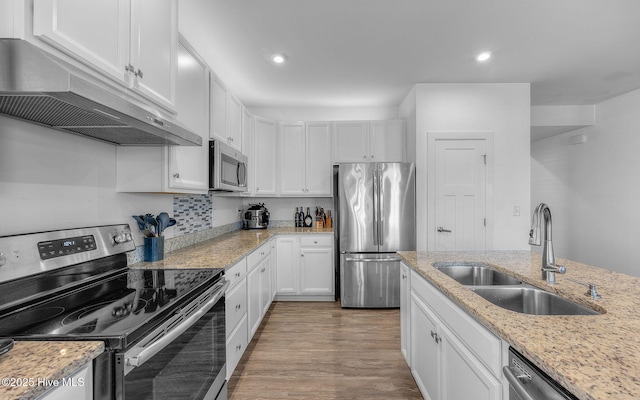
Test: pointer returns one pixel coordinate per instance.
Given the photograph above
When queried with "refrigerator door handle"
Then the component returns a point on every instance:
(379, 219)
(376, 206)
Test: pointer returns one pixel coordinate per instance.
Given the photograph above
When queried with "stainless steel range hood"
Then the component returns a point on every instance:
(37, 87)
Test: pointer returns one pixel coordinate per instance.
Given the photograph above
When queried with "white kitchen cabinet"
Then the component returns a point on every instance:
(174, 169)
(364, 141)
(264, 157)
(132, 42)
(305, 159)
(77, 386)
(218, 114)
(236, 314)
(387, 141)
(226, 116)
(258, 287)
(448, 347)
(234, 122)
(405, 312)
(287, 270)
(247, 147)
(188, 165)
(305, 267)
(316, 265)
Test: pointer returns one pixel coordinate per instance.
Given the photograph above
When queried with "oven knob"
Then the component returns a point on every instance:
(122, 238)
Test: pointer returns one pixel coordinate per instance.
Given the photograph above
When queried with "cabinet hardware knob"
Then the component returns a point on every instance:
(130, 68)
(138, 73)
(176, 175)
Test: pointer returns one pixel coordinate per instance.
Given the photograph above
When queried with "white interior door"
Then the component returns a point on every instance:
(459, 174)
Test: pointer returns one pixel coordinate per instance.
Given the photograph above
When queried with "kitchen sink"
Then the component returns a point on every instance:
(530, 300)
(476, 275)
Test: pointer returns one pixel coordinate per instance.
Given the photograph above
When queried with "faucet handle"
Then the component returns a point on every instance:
(592, 289)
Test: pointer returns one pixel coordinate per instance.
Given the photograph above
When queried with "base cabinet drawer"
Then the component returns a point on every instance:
(235, 305)
(236, 344)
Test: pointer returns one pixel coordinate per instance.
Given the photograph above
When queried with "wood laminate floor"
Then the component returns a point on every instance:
(317, 350)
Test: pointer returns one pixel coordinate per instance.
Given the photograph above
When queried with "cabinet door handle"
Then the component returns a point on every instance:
(176, 175)
(441, 229)
(138, 73)
(436, 337)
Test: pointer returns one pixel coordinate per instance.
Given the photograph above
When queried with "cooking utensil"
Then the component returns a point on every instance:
(152, 224)
(163, 221)
(140, 220)
(143, 226)
(6, 344)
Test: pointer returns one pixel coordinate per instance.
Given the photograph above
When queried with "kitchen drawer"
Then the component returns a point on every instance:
(257, 256)
(480, 341)
(316, 241)
(236, 272)
(236, 344)
(235, 305)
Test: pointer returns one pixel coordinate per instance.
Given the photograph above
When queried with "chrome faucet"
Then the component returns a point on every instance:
(542, 214)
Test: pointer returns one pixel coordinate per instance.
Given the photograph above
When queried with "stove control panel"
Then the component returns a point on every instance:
(65, 247)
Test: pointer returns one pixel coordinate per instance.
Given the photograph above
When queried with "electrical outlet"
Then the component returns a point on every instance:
(516, 211)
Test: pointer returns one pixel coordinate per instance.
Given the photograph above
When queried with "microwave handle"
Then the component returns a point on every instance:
(155, 348)
(241, 173)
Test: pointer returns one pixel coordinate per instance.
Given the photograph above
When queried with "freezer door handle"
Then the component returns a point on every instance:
(373, 259)
(376, 206)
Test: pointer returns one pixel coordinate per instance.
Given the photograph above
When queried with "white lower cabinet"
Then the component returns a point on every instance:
(405, 316)
(77, 386)
(305, 267)
(236, 314)
(258, 286)
(448, 347)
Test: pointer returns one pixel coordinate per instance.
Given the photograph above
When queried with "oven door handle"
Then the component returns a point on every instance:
(146, 354)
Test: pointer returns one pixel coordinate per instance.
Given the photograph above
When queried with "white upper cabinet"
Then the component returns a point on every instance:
(387, 141)
(305, 159)
(318, 167)
(218, 126)
(226, 116)
(264, 157)
(94, 32)
(376, 141)
(188, 165)
(174, 169)
(154, 48)
(292, 159)
(234, 122)
(351, 142)
(132, 42)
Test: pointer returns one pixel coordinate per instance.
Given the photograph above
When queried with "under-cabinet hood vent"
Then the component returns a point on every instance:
(38, 88)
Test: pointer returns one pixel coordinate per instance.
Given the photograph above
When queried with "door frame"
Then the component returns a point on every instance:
(432, 137)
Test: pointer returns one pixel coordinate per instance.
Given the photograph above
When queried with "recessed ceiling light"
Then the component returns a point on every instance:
(278, 58)
(484, 56)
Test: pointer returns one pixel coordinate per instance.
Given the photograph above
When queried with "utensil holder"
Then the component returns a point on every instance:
(154, 248)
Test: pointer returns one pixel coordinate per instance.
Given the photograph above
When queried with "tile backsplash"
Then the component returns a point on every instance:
(193, 213)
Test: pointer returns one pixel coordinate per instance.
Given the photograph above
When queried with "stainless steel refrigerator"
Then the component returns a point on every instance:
(376, 218)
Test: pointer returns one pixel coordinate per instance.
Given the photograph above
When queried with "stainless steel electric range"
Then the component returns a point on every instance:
(163, 329)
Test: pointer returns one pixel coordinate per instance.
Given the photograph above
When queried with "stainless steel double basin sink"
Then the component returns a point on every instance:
(510, 293)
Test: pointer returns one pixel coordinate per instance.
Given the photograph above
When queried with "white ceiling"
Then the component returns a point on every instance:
(366, 53)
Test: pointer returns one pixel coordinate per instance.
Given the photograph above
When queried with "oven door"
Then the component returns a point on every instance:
(184, 359)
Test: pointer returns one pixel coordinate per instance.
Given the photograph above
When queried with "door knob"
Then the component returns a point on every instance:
(441, 229)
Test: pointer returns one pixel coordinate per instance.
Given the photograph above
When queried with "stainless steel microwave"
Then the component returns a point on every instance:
(227, 168)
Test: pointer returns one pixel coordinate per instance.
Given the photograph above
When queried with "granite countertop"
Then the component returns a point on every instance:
(29, 368)
(595, 357)
(223, 251)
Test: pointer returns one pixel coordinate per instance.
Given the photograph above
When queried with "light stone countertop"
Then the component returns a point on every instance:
(25, 368)
(55, 360)
(223, 251)
(595, 357)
